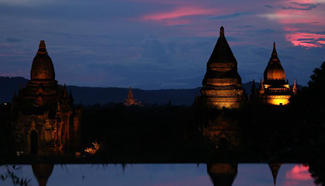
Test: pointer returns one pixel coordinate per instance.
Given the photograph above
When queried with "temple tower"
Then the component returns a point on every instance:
(222, 174)
(44, 116)
(222, 84)
(42, 172)
(275, 89)
(274, 167)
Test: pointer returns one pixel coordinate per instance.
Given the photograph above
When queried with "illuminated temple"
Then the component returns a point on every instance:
(130, 101)
(45, 120)
(222, 86)
(275, 90)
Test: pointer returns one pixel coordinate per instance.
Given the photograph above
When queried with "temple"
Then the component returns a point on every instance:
(222, 174)
(42, 172)
(275, 89)
(274, 167)
(222, 86)
(130, 101)
(46, 121)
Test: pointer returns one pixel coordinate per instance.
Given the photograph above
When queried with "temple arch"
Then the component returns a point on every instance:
(33, 142)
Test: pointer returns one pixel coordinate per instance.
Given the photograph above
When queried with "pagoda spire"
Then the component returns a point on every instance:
(65, 91)
(274, 69)
(130, 94)
(42, 172)
(222, 32)
(130, 99)
(294, 88)
(222, 52)
(221, 68)
(262, 90)
(274, 169)
(42, 47)
(274, 52)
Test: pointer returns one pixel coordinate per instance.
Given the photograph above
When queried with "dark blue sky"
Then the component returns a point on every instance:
(154, 44)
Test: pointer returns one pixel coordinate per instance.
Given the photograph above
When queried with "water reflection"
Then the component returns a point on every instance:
(43, 127)
(164, 175)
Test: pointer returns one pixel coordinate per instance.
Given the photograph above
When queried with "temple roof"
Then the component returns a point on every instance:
(222, 52)
(42, 67)
(274, 69)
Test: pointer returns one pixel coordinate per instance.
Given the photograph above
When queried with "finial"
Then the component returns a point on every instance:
(294, 88)
(42, 47)
(274, 53)
(222, 31)
(262, 89)
(274, 170)
(42, 44)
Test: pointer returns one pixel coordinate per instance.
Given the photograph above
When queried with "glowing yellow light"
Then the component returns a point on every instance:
(278, 101)
(266, 86)
(92, 150)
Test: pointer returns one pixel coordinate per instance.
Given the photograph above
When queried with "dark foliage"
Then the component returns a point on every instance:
(9, 174)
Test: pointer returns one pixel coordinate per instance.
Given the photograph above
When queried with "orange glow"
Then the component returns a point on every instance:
(93, 150)
(299, 172)
(322, 42)
(266, 86)
(278, 100)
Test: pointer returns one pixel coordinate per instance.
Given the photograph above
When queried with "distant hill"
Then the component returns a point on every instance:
(96, 95)
(8, 85)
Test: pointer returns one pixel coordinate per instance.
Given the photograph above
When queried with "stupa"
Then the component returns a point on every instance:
(275, 90)
(222, 86)
(46, 121)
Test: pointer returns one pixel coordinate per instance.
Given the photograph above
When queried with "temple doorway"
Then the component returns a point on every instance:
(33, 142)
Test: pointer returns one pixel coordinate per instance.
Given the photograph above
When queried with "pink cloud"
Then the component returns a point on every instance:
(301, 19)
(180, 12)
(306, 39)
(299, 173)
(293, 16)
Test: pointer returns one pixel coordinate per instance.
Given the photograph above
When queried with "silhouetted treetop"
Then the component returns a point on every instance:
(318, 78)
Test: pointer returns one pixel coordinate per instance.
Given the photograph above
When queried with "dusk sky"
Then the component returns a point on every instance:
(158, 44)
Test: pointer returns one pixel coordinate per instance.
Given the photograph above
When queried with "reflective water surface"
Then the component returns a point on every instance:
(161, 175)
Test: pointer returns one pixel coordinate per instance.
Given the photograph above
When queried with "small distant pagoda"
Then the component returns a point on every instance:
(222, 86)
(130, 101)
(275, 90)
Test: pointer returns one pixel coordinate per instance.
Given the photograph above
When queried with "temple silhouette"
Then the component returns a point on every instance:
(45, 121)
(221, 86)
(275, 89)
(221, 129)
